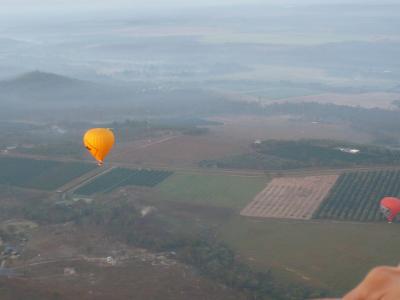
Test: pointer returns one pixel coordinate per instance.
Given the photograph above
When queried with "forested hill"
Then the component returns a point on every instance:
(42, 93)
(38, 79)
(39, 91)
(40, 88)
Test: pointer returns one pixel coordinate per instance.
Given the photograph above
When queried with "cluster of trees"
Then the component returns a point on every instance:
(356, 196)
(280, 154)
(210, 257)
(217, 261)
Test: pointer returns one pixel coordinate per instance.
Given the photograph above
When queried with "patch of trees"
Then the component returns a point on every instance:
(280, 155)
(217, 261)
(201, 250)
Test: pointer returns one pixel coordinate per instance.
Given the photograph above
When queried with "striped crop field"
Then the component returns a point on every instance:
(290, 197)
(120, 177)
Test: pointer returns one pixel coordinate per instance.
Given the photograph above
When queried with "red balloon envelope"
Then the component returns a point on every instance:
(390, 206)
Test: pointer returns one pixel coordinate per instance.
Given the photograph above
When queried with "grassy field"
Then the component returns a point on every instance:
(214, 190)
(356, 196)
(123, 177)
(39, 174)
(331, 255)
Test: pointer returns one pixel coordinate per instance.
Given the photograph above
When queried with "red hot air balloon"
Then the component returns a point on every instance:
(390, 207)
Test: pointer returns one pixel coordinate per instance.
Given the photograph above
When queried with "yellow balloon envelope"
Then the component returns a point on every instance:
(99, 142)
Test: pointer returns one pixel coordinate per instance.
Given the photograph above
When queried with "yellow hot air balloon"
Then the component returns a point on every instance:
(99, 142)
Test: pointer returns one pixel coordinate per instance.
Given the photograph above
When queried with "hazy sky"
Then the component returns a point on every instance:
(142, 3)
(23, 6)
(38, 8)
(125, 2)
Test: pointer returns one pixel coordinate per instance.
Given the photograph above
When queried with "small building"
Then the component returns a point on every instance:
(77, 198)
(349, 150)
(111, 261)
(69, 271)
(146, 210)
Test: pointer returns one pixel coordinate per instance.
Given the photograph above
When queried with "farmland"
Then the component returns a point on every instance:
(307, 153)
(283, 127)
(39, 174)
(334, 255)
(290, 197)
(356, 195)
(180, 150)
(122, 177)
(213, 190)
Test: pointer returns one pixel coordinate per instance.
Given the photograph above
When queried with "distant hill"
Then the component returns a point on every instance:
(46, 88)
(46, 92)
(37, 79)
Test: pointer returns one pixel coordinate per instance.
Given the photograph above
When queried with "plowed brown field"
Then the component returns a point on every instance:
(290, 197)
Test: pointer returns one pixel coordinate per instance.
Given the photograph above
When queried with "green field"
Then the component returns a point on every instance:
(122, 177)
(39, 174)
(356, 196)
(330, 255)
(213, 190)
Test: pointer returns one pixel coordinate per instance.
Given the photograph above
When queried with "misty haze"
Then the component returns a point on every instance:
(197, 150)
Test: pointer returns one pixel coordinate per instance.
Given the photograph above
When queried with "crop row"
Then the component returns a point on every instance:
(356, 196)
(122, 177)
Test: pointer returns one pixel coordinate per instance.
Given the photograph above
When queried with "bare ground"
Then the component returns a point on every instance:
(69, 262)
(184, 150)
